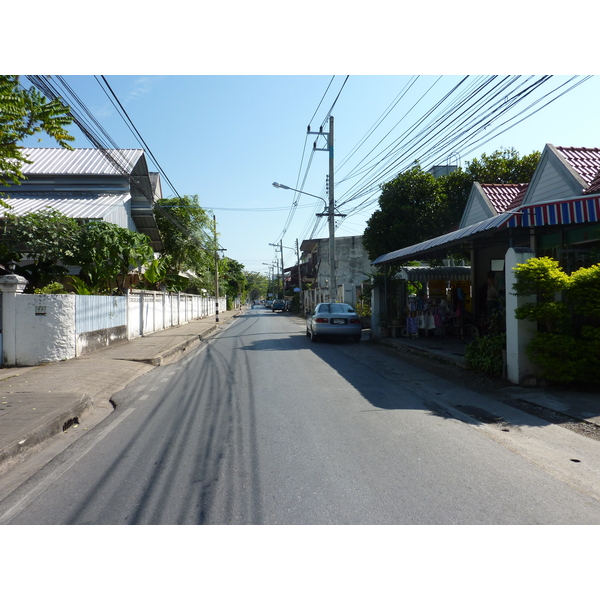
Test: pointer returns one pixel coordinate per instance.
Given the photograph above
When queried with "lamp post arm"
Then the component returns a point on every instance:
(285, 187)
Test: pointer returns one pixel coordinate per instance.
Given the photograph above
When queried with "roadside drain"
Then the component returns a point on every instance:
(68, 424)
(480, 414)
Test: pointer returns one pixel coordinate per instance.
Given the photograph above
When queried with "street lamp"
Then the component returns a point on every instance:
(285, 187)
(331, 215)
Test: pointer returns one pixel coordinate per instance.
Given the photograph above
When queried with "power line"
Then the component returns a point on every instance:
(98, 137)
(138, 135)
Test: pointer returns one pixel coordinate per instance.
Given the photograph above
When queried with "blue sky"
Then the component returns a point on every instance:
(227, 138)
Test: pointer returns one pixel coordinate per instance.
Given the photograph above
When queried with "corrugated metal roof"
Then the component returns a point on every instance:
(81, 161)
(446, 239)
(435, 273)
(87, 206)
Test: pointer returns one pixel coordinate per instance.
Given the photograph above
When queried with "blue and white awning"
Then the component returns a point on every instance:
(561, 212)
(567, 211)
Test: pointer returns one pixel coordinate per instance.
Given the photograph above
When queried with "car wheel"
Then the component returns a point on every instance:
(307, 332)
(313, 336)
(356, 339)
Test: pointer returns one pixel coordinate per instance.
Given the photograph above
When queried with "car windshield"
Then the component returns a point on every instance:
(336, 308)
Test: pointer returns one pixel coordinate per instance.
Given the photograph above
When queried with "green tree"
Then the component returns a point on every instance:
(503, 166)
(188, 238)
(48, 238)
(415, 207)
(234, 280)
(26, 112)
(257, 285)
(410, 207)
(107, 253)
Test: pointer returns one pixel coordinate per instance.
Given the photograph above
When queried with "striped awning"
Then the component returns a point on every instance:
(567, 211)
(561, 212)
(424, 274)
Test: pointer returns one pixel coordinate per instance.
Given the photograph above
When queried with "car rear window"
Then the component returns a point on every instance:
(336, 308)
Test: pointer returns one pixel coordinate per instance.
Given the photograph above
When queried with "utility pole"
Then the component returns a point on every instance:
(282, 277)
(331, 210)
(216, 272)
(299, 279)
(332, 278)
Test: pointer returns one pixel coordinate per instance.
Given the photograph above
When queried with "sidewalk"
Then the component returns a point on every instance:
(584, 406)
(37, 403)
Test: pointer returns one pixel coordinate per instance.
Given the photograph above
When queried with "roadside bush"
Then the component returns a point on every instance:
(485, 354)
(51, 288)
(566, 346)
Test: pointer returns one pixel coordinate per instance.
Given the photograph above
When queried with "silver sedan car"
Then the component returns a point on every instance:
(333, 319)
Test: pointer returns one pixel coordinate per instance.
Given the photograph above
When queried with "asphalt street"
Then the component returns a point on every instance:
(261, 426)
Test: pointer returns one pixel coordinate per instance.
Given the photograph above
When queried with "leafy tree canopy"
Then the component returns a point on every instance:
(47, 237)
(25, 112)
(106, 253)
(415, 206)
(187, 233)
(257, 285)
(233, 277)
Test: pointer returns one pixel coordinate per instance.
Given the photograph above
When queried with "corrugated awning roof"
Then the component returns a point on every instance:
(446, 240)
(565, 211)
(435, 273)
(80, 206)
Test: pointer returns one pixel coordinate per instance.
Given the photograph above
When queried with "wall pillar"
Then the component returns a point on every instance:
(10, 286)
(519, 369)
(377, 308)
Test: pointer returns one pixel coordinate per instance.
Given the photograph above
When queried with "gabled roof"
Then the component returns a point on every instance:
(89, 183)
(585, 161)
(80, 161)
(595, 185)
(564, 178)
(489, 199)
(504, 196)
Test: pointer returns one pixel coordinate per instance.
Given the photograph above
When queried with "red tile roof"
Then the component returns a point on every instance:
(595, 186)
(505, 196)
(586, 161)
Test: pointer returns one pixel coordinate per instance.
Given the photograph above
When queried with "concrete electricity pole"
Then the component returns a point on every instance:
(331, 210)
(216, 272)
(332, 277)
(282, 276)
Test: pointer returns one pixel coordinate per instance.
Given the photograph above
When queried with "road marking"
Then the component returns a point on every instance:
(10, 514)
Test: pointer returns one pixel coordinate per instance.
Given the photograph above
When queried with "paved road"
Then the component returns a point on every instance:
(261, 426)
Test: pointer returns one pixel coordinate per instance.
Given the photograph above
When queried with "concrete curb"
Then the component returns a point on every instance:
(419, 352)
(21, 449)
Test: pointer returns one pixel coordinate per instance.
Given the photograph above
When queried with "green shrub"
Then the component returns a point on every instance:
(51, 288)
(566, 347)
(558, 356)
(485, 354)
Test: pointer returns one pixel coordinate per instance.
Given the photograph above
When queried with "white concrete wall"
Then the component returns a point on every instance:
(45, 328)
(39, 328)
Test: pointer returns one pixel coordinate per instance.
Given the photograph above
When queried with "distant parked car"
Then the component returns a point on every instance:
(268, 303)
(333, 319)
(278, 305)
